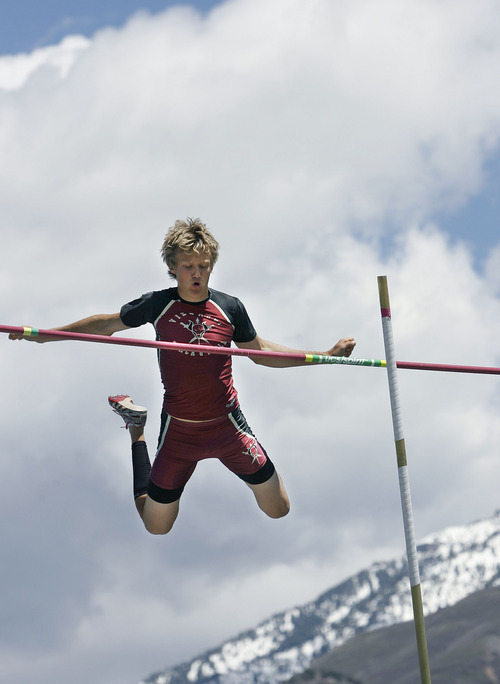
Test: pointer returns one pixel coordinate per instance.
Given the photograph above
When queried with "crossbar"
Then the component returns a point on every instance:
(236, 351)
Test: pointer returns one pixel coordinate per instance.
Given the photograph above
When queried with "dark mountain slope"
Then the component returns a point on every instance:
(463, 643)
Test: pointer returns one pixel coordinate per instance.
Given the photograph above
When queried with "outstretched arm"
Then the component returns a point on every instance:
(99, 324)
(343, 347)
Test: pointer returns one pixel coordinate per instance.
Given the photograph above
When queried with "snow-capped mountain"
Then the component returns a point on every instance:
(453, 564)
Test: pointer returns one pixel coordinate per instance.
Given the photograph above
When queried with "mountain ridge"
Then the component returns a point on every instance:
(454, 563)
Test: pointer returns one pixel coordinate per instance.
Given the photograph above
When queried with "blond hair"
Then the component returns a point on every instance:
(188, 236)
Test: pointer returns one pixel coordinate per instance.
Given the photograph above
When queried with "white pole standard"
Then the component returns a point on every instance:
(404, 483)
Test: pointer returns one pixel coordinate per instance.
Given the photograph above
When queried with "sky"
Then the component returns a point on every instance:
(324, 144)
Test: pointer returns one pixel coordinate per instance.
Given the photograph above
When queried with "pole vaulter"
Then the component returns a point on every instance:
(235, 351)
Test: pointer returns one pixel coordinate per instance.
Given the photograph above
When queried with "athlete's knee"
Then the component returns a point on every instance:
(271, 496)
(158, 527)
(159, 518)
(278, 509)
(276, 505)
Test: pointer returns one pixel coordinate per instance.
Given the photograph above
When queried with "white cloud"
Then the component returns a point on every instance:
(306, 136)
(15, 70)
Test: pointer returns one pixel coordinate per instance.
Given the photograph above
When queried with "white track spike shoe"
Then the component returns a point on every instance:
(133, 415)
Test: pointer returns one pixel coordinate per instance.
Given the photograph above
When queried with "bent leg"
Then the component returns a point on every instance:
(271, 496)
(158, 518)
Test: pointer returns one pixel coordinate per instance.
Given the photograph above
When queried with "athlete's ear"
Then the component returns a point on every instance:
(172, 269)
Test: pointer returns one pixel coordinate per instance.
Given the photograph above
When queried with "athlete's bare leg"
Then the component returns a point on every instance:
(271, 497)
(158, 518)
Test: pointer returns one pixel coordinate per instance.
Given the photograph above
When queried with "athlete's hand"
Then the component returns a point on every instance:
(21, 336)
(343, 347)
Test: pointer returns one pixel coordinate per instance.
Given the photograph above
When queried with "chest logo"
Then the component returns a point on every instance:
(198, 329)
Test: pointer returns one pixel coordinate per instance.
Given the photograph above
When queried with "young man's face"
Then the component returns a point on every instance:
(192, 272)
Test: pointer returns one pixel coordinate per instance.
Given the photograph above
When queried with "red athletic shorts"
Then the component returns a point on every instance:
(182, 444)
